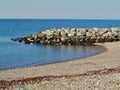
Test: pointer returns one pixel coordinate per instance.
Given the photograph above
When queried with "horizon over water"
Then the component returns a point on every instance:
(16, 55)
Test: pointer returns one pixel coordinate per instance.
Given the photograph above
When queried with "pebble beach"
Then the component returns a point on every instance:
(99, 72)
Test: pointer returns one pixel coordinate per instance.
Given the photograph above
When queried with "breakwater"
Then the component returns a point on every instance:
(72, 36)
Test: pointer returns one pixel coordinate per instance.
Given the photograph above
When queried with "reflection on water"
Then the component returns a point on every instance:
(13, 54)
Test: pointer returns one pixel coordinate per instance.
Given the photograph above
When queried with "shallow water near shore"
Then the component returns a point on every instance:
(20, 55)
(15, 55)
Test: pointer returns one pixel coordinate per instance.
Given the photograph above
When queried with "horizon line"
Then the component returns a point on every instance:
(67, 18)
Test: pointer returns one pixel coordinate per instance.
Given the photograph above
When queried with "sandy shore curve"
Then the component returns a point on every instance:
(105, 60)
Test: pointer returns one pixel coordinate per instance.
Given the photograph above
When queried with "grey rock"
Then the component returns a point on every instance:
(88, 34)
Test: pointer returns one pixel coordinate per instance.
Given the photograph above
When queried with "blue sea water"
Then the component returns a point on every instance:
(15, 55)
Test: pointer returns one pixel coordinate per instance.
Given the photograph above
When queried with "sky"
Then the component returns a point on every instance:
(60, 9)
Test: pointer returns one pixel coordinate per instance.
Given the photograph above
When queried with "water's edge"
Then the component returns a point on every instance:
(97, 53)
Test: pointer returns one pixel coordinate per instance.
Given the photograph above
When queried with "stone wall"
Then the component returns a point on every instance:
(72, 36)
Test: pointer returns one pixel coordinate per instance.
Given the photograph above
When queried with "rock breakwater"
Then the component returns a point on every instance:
(72, 36)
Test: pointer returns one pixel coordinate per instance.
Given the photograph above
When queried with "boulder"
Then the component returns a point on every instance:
(83, 32)
(78, 34)
(115, 34)
(88, 34)
(109, 33)
(115, 29)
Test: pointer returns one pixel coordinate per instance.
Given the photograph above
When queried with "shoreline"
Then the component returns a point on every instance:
(97, 53)
(76, 66)
(103, 66)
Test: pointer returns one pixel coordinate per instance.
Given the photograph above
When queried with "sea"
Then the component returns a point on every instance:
(18, 55)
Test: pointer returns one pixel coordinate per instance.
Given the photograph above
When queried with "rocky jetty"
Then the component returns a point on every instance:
(72, 36)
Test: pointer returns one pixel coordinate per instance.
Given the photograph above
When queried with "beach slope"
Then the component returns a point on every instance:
(101, 62)
(105, 60)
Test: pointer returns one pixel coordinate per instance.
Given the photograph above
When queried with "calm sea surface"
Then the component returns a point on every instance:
(15, 55)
